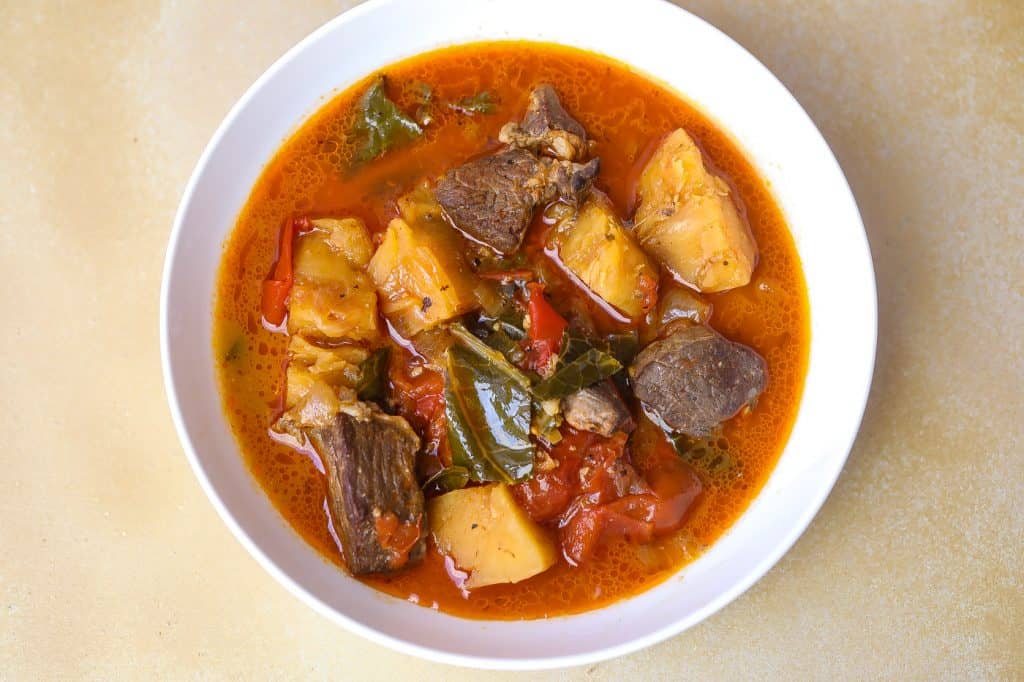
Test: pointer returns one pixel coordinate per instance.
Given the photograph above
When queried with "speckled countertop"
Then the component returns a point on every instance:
(114, 566)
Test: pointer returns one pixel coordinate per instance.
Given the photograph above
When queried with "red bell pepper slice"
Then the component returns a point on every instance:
(544, 337)
(278, 284)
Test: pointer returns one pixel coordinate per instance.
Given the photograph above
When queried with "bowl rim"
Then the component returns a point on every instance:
(856, 405)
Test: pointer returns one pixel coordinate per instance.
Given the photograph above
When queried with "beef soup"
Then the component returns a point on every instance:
(510, 331)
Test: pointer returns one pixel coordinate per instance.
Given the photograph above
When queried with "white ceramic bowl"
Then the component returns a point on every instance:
(653, 37)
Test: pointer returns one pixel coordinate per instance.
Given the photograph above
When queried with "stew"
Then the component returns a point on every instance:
(510, 331)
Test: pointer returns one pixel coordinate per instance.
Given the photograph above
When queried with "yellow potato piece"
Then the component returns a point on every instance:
(338, 367)
(688, 221)
(420, 271)
(596, 248)
(487, 534)
(349, 236)
(332, 297)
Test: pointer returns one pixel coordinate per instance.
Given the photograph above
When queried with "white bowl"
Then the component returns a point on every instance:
(653, 37)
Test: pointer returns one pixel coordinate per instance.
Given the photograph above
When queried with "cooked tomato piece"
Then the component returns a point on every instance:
(547, 495)
(614, 500)
(420, 399)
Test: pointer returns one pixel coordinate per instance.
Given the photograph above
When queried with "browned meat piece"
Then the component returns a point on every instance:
(547, 128)
(597, 408)
(571, 180)
(491, 199)
(695, 378)
(375, 502)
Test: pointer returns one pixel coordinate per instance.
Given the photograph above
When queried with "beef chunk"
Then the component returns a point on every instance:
(547, 128)
(375, 502)
(491, 199)
(695, 379)
(571, 181)
(597, 408)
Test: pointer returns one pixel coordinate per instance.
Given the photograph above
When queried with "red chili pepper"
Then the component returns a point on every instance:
(278, 284)
(544, 338)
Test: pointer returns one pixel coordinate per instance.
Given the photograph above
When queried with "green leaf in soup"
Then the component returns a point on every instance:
(230, 342)
(461, 336)
(586, 370)
(501, 341)
(373, 382)
(448, 479)
(574, 345)
(480, 103)
(624, 346)
(580, 364)
(510, 322)
(547, 421)
(380, 125)
(488, 409)
(503, 332)
(236, 350)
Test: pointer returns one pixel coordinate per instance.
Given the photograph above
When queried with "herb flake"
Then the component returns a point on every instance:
(380, 124)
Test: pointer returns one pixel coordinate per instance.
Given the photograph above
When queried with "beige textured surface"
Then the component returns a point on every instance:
(114, 565)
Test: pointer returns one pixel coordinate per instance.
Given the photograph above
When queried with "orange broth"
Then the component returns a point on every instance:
(625, 113)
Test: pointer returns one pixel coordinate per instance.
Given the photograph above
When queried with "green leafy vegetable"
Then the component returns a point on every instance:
(624, 347)
(461, 336)
(574, 345)
(481, 103)
(448, 479)
(488, 409)
(380, 124)
(506, 344)
(586, 370)
(580, 365)
(374, 373)
(547, 418)
(510, 323)
(503, 332)
(235, 350)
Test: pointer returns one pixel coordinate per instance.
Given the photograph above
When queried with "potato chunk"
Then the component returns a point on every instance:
(337, 367)
(487, 534)
(349, 237)
(596, 248)
(687, 219)
(332, 297)
(420, 271)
